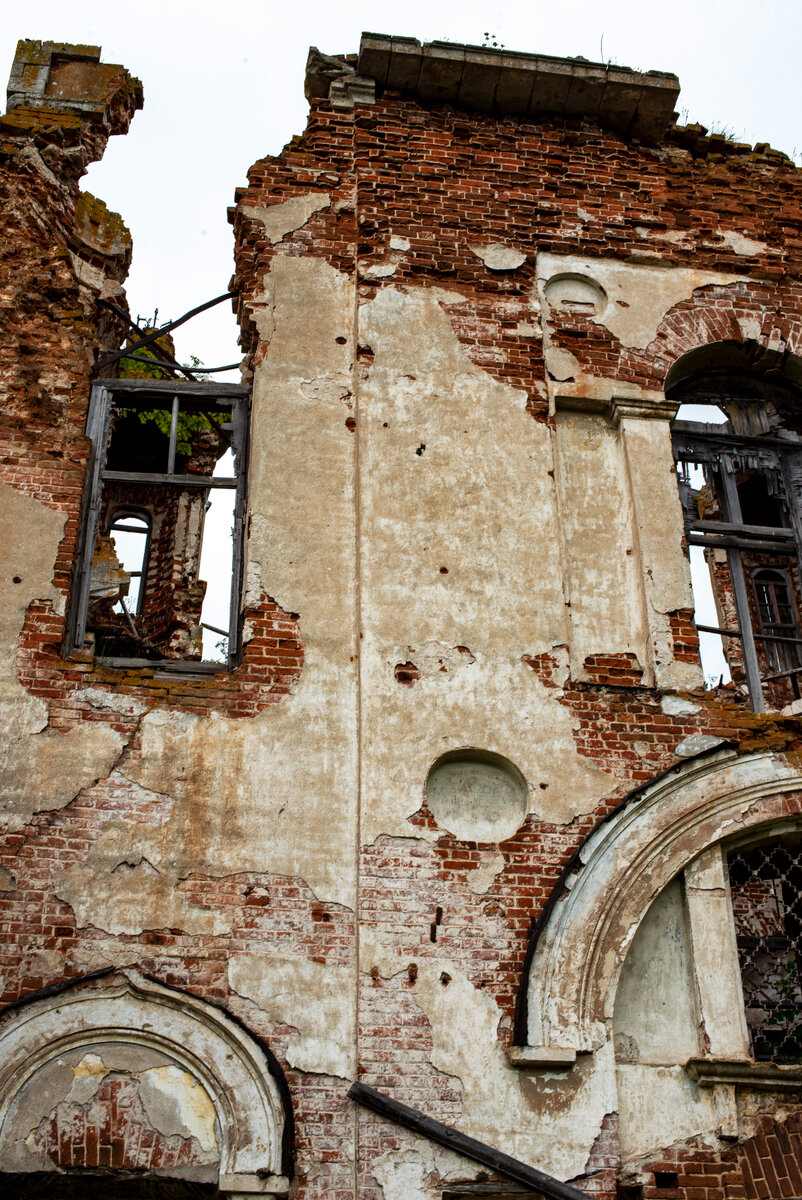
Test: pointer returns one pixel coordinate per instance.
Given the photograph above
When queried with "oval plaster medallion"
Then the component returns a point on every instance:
(477, 795)
(564, 291)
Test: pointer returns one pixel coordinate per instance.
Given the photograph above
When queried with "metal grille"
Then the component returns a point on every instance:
(766, 883)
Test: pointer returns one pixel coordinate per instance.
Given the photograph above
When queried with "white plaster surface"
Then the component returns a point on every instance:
(648, 292)
(498, 257)
(247, 795)
(597, 522)
(292, 214)
(416, 1172)
(550, 1121)
(38, 770)
(448, 507)
(655, 1007)
(659, 1107)
(314, 998)
(482, 878)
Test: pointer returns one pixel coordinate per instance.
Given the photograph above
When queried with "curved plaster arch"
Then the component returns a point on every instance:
(625, 863)
(125, 1008)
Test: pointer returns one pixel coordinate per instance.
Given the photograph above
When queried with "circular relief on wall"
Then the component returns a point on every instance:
(477, 795)
(576, 291)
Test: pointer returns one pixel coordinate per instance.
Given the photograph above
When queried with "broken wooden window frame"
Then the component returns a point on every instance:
(106, 394)
(720, 454)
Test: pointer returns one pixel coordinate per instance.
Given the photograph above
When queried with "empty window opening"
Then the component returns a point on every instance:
(739, 467)
(766, 885)
(160, 568)
(130, 532)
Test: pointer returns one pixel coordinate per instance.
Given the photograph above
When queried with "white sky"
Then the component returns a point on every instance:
(224, 86)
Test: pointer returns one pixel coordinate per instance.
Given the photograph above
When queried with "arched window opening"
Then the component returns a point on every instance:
(738, 448)
(766, 887)
(130, 531)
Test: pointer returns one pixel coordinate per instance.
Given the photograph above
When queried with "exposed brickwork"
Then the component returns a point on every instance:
(113, 1130)
(766, 1163)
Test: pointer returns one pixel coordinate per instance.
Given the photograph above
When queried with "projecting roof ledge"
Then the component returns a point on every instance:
(478, 79)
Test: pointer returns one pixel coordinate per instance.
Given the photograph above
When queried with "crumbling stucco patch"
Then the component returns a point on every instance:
(498, 257)
(482, 878)
(48, 770)
(380, 270)
(661, 1106)
(433, 659)
(695, 744)
(27, 575)
(316, 999)
(551, 1122)
(114, 701)
(638, 297)
(417, 1172)
(119, 890)
(176, 1104)
(7, 881)
(292, 214)
(677, 706)
(37, 770)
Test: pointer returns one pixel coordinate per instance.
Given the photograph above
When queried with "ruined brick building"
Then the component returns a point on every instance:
(446, 818)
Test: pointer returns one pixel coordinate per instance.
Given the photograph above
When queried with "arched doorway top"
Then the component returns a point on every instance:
(121, 1071)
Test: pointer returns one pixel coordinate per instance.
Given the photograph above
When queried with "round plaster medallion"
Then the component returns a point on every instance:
(569, 290)
(477, 795)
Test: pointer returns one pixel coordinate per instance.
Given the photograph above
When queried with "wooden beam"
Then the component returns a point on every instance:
(460, 1143)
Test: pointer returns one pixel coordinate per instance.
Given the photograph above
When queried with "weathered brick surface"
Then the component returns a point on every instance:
(446, 181)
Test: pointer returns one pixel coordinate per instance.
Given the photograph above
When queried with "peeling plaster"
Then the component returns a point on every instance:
(128, 706)
(176, 1104)
(498, 257)
(744, 245)
(281, 219)
(447, 507)
(675, 706)
(417, 1172)
(7, 881)
(482, 878)
(134, 899)
(695, 744)
(316, 999)
(433, 659)
(48, 771)
(246, 796)
(661, 1106)
(648, 292)
(380, 270)
(399, 243)
(37, 770)
(551, 1121)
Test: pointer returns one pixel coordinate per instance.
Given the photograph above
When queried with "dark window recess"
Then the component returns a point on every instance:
(766, 884)
(777, 617)
(160, 567)
(740, 481)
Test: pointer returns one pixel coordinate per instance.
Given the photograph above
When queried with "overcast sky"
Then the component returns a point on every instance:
(224, 86)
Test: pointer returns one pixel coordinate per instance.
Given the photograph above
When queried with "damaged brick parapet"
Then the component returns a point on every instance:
(53, 80)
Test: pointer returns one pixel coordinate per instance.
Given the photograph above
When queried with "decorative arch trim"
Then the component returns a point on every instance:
(572, 976)
(199, 1043)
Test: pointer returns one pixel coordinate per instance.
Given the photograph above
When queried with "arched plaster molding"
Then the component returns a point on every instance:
(126, 1009)
(757, 314)
(625, 863)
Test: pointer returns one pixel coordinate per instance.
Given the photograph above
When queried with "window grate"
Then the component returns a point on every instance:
(766, 883)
